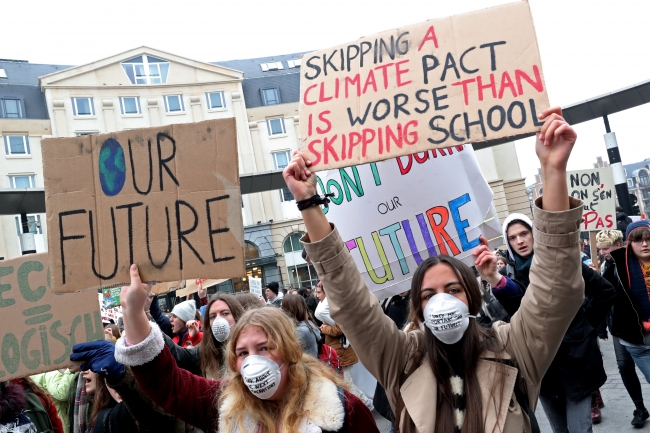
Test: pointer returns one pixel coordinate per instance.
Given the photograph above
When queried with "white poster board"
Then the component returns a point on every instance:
(596, 188)
(394, 214)
(255, 285)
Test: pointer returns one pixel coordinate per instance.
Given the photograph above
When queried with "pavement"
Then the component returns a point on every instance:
(617, 413)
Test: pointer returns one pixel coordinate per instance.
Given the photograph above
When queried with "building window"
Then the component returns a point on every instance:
(33, 222)
(146, 70)
(271, 66)
(644, 180)
(630, 184)
(251, 251)
(295, 63)
(80, 133)
(270, 96)
(130, 105)
(281, 159)
(174, 103)
(83, 107)
(300, 273)
(3, 73)
(22, 181)
(17, 145)
(215, 100)
(285, 195)
(11, 108)
(275, 126)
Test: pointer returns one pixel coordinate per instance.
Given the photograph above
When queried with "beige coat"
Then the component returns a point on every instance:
(531, 339)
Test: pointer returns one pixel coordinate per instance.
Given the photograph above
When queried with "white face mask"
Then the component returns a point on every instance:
(220, 329)
(447, 317)
(261, 375)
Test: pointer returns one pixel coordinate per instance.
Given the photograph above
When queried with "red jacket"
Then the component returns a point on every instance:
(186, 338)
(193, 399)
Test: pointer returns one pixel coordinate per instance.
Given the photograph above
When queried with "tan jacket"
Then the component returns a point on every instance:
(333, 336)
(531, 339)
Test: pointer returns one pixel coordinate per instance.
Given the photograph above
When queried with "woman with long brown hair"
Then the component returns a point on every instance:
(208, 358)
(271, 385)
(450, 374)
(308, 333)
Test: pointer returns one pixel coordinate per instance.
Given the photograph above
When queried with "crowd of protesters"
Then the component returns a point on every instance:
(464, 350)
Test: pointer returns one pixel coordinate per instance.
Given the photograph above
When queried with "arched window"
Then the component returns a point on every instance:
(644, 180)
(251, 251)
(301, 274)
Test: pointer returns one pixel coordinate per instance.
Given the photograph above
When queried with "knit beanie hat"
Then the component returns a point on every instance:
(185, 311)
(273, 286)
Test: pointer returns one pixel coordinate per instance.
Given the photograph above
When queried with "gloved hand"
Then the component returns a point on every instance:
(99, 357)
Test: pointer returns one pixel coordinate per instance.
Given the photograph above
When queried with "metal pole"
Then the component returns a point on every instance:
(617, 167)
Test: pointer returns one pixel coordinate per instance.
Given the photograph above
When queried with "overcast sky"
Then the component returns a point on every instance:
(588, 48)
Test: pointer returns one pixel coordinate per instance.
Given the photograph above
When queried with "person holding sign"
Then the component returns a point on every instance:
(273, 386)
(452, 374)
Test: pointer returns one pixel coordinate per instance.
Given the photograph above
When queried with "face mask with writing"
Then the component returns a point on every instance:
(261, 375)
(447, 317)
(220, 329)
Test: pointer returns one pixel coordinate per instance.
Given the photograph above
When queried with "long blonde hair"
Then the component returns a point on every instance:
(280, 331)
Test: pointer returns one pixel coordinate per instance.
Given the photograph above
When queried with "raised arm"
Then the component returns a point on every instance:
(556, 288)
(381, 347)
(162, 320)
(177, 391)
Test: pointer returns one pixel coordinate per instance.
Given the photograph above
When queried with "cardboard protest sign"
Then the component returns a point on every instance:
(192, 286)
(162, 288)
(394, 214)
(255, 285)
(463, 79)
(166, 198)
(596, 188)
(38, 327)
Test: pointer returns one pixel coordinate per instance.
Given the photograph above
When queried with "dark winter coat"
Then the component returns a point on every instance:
(577, 369)
(622, 221)
(626, 320)
(186, 358)
(150, 418)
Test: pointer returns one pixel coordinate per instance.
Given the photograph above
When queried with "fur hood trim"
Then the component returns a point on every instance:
(12, 400)
(323, 404)
(143, 352)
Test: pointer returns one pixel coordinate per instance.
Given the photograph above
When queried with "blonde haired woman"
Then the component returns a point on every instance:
(271, 386)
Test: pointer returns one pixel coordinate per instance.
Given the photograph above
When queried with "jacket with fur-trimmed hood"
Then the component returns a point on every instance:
(197, 401)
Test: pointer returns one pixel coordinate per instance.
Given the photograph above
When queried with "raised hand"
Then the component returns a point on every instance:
(193, 328)
(133, 299)
(554, 144)
(202, 292)
(486, 263)
(555, 140)
(299, 179)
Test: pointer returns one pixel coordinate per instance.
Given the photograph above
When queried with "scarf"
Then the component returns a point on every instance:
(80, 407)
(522, 268)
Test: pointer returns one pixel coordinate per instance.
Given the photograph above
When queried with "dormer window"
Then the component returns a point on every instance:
(146, 70)
(295, 63)
(271, 66)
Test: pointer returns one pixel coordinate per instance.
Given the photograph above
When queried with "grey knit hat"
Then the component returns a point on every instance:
(185, 311)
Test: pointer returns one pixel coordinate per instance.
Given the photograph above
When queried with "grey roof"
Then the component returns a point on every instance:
(24, 73)
(286, 80)
(22, 82)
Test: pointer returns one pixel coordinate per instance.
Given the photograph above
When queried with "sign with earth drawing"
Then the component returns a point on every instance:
(167, 199)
